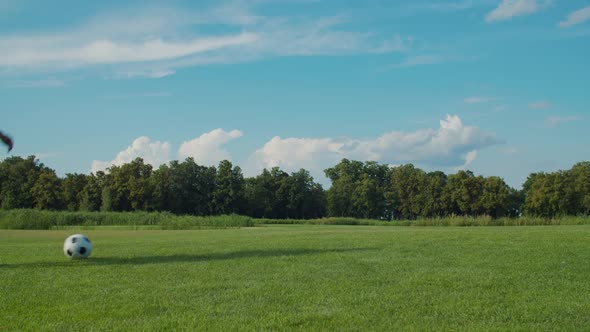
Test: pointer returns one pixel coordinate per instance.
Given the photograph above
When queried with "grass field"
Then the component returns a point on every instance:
(291, 277)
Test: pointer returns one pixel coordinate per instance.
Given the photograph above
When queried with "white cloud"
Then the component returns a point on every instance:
(323, 36)
(508, 9)
(152, 34)
(153, 153)
(291, 154)
(99, 165)
(36, 52)
(576, 17)
(553, 121)
(469, 158)
(146, 73)
(476, 100)
(539, 105)
(452, 144)
(154, 42)
(207, 149)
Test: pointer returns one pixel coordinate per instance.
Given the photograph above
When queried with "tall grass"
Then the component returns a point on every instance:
(447, 221)
(39, 219)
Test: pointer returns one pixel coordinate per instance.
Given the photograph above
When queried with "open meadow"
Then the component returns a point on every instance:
(313, 277)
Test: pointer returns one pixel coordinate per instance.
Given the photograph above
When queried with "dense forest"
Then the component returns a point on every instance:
(360, 190)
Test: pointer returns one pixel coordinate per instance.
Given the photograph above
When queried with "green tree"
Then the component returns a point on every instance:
(407, 191)
(318, 202)
(228, 195)
(369, 195)
(366, 198)
(433, 204)
(280, 189)
(17, 178)
(91, 195)
(256, 195)
(496, 198)
(73, 188)
(464, 190)
(106, 199)
(304, 199)
(47, 191)
(162, 196)
(140, 189)
(344, 177)
(128, 187)
(580, 178)
(552, 194)
(191, 186)
(541, 196)
(267, 194)
(259, 192)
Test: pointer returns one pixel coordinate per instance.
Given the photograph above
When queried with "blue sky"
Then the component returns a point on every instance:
(500, 87)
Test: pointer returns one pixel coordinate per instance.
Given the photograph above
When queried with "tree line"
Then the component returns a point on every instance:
(359, 189)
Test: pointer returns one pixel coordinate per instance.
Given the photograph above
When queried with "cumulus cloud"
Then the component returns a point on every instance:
(291, 154)
(451, 145)
(576, 17)
(469, 158)
(508, 9)
(207, 149)
(153, 153)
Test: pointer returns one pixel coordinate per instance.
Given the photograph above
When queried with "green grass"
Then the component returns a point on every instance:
(298, 277)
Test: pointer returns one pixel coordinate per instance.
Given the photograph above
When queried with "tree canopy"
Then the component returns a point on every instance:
(358, 189)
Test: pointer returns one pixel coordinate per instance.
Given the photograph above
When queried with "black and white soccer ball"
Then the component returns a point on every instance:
(77, 246)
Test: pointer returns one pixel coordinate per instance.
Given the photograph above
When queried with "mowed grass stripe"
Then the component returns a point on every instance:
(300, 276)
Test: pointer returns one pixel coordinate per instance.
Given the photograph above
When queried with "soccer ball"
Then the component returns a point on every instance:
(77, 246)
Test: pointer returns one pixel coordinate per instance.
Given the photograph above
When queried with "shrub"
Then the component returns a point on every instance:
(39, 219)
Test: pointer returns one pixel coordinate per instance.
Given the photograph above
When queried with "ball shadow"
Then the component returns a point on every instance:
(183, 258)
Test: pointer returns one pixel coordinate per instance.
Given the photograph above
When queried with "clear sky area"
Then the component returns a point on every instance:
(499, 87)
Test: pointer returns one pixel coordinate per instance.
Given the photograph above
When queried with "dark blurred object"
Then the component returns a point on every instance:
(7, 140)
